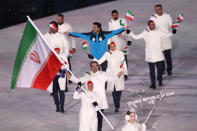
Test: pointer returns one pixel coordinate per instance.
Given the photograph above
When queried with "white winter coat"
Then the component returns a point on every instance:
(87, 115)
(66, 27)
(153, 49)
(58, 40)
(133, 127)
(99, 78)
(115, 59)
(164, 23)
(121, 39)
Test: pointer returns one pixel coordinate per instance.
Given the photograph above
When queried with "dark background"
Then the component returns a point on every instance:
(14, 11)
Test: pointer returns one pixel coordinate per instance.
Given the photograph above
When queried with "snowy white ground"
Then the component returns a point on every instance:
(34, 110)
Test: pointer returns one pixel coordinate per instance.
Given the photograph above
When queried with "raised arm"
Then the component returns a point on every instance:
(82, 79)
(103, 58)
(110, 34)
(136, 37)
(76, 95)
(85, 36)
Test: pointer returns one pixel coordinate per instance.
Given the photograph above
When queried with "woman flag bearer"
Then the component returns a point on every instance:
(88, 115)
(132, 125)
(116, 63)
(99, 79)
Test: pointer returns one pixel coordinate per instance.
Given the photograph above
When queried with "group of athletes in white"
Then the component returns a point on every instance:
(109, 64)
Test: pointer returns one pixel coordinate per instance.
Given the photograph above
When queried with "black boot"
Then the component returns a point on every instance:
(160, 83)
(62, 109)
(152, 86)
(57, 108)
(169, 73)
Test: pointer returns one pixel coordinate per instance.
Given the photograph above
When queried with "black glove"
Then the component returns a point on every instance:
(174, 31)
(108, 47)
(90, 56)
(79, 83)
(128, 31)
(78, 88)
(125, 77)
(95, 104)
(129, 43)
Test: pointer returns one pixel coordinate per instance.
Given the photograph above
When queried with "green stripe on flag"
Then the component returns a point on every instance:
(130, 13)
(26, 42)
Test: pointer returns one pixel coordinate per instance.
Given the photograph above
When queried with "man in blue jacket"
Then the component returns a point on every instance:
(97, 40)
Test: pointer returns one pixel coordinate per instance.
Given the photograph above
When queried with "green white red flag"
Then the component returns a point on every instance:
(36, 64)
(181, 17)
(129, 15)
(175, 24)
(84, 44)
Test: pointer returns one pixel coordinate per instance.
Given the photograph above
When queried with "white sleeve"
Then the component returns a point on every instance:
(76, 95)
(165, 34)
(110, 78)
(170, 21)
(66, 46)
(136, 37)
(82, 79)
(103, 58)
(109, 29)
(73, 43)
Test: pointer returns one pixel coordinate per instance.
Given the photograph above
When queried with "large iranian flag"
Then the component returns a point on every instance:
(36, 64)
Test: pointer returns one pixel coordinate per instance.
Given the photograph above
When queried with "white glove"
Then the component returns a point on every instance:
(143, 127)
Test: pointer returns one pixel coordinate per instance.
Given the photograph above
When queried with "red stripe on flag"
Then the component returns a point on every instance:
(47, 73)
(84, 43)
(129, 18)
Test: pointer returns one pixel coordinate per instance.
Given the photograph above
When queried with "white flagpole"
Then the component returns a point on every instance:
(68, 69)
(151, 111)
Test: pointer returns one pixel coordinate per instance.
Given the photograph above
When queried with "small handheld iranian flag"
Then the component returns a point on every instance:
(36, 64)
(84, 44)
(122, 64)
(125, 49)
(70, 54)
(130, 15)
(176, 24)
(180, 17)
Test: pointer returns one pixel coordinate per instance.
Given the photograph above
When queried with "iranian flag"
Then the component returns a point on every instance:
(36, 63)
(130, 15)
(70, 53)
(122, 64)
(84, 44)
(125, 49)
(181, 17)
(176, 24)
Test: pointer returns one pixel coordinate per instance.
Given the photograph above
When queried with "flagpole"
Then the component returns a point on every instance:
(152, 111)
(68, 69)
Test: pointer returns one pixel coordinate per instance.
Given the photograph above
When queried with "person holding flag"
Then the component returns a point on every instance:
(116, 63)
(97, 40)
(60, 44)
(153, 51)
(121, 40)
(99, 79)
(87, 115)
(163, 21)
